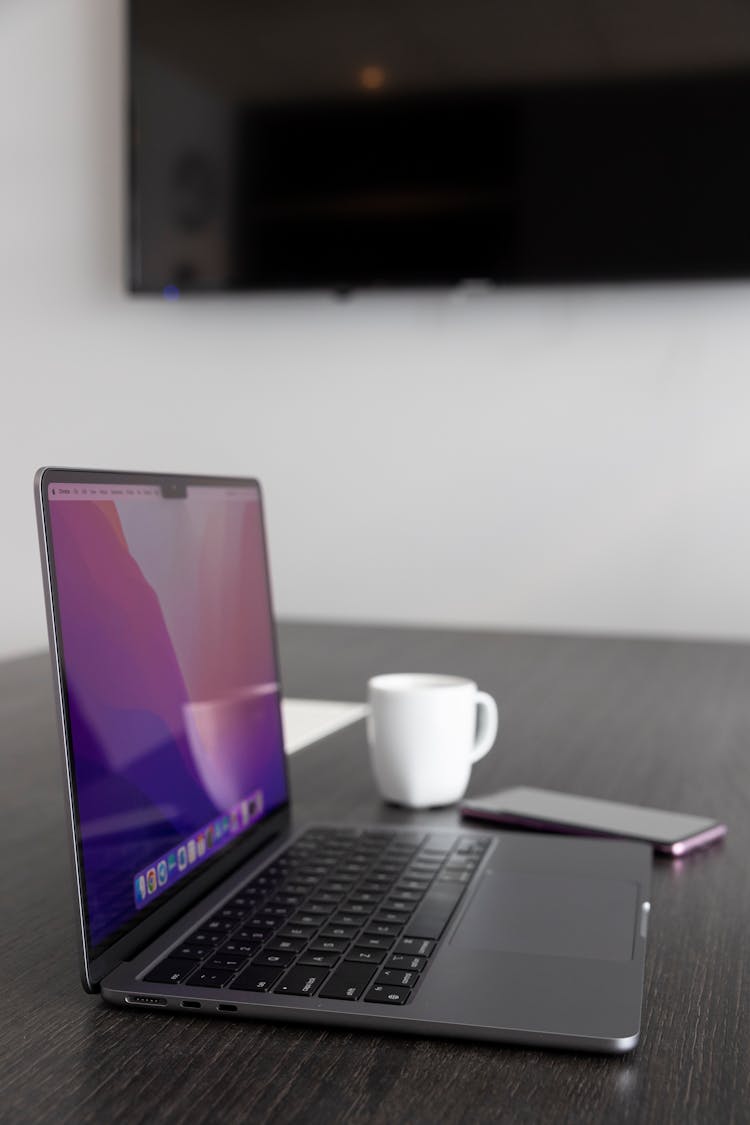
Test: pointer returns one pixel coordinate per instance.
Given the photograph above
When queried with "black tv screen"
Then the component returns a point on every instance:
(290, 144)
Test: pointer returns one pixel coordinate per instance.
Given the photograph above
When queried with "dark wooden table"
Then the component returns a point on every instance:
(641, 721)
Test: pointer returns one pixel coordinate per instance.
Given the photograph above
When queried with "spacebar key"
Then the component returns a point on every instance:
(434, 911)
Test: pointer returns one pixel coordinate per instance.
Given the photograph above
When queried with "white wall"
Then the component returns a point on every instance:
(567, 460)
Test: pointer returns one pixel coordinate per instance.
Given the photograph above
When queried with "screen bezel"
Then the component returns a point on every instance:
(100, 959)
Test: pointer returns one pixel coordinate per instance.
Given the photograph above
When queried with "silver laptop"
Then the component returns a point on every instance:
(194, 889)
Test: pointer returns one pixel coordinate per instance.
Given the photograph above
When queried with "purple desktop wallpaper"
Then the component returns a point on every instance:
(172, 686)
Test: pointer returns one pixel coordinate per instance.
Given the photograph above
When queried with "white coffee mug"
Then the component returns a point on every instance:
(425, 733)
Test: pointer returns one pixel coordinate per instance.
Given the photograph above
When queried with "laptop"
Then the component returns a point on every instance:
(195, 889)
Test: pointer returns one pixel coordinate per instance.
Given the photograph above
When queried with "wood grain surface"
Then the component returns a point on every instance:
(641, 721)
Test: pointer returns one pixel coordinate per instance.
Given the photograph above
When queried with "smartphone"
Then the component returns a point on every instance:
(547, 811)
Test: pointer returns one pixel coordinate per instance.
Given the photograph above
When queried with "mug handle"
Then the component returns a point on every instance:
(486, 726)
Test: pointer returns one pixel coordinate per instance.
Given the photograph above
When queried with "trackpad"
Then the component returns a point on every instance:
(552, 916)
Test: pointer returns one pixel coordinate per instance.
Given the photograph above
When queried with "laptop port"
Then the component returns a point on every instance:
(191, 1004)
(150, 1000)
(227, 1007)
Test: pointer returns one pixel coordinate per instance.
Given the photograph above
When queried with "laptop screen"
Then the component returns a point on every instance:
(166, 635)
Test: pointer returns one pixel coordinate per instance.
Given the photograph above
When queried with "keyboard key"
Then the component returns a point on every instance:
(302, 980)
(403, 961)
(202, 937)
(345, 932)
(222, 961)
(243, 949)
(411, 897)
(385, 929)
(219, 926)
(381, 873)
(253, 936)
(368, 956)
(345, 919)
(191, 952)
(324, 959)
(285, 945)
(210, 978)
(400, 977)
(287, 900)
(305, 919)
(170, 972)
(397, 917)
(257, 979)
(385, 876)
(328, 945)
(374, 941)
(277, 960)
(261, 922)
(416, 945)
(399, 904)
(274, 911)
(230, 912)
(243, 902)
(387, 994)
(348, 982)
(376, 887)
(296, 931)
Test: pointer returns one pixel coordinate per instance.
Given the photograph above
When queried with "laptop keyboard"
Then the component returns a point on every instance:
(342, 914)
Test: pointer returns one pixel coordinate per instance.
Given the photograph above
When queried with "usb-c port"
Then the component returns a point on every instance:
(227, 1007)
(191, 1004)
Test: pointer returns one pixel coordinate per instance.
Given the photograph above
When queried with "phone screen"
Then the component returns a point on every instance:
(544, 807)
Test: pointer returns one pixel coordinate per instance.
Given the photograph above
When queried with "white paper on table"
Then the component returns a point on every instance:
(307, 720)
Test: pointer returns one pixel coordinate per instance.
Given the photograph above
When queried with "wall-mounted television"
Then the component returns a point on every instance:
(343, 144)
